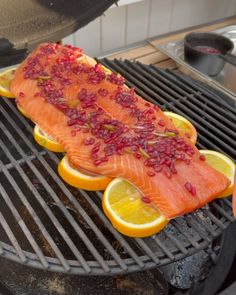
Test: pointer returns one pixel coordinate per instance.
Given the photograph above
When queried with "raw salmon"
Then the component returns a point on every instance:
(108, 129)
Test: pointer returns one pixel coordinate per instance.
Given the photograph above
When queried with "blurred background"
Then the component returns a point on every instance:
(136, 20)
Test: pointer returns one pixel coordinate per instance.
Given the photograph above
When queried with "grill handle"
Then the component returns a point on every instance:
(10, 55)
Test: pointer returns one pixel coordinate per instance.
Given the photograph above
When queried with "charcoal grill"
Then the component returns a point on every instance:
(46, 224)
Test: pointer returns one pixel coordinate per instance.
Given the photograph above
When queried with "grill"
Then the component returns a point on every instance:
(46, 224)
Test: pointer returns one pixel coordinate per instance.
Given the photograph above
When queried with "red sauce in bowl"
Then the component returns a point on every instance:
(207, 49)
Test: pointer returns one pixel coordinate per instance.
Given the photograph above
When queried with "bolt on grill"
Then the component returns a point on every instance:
(46, 224)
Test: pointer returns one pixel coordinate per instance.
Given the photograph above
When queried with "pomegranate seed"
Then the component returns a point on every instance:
(162, 161)
(202, 158)
(193, 191)
(89, 141)
(168, 162)
(187, 161)
(173, 170)
(151, 173)
(188, 186)
(125, 98)
(146, 199)
(115, 79)
(158, 168)
(161, 123)
(96, 77)
(97, 162)
(103, 92)
(73, 133)
(167, 173)
(95, 149)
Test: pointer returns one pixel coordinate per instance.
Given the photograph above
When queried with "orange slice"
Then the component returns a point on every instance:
(93, 62)
(22, 111)
(5, 81)
(129, 214)
(224, 165)
(81, 178)
(45, 141)
(183, 125)
(106, 70)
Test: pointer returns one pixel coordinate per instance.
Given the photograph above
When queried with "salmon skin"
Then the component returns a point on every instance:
(106, 128)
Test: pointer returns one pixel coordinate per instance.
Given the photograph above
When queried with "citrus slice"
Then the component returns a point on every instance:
(183, 125)
(224, 165)
(106, 70)
(45, 141)
(22, 111)
(81, 178)
(5, 81)
(93, 62)
(129, 214)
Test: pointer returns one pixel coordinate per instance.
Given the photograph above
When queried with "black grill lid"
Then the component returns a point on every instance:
(27, 23)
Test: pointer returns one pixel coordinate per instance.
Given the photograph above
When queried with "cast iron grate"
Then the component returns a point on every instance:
(48, 225)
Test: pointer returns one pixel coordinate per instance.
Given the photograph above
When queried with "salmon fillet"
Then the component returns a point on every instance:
(106, 128)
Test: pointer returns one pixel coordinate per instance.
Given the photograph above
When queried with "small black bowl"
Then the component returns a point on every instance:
(207, 52)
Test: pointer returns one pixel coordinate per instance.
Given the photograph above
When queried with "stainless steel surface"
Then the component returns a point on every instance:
(225, 80)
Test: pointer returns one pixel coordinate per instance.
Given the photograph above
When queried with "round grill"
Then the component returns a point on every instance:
(46, 224)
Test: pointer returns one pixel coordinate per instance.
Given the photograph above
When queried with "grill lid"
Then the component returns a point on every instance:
(27, 23)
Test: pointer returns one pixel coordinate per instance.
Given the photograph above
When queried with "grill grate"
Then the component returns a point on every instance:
(47, 224)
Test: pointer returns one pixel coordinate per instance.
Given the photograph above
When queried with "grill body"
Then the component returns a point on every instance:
(49, 225)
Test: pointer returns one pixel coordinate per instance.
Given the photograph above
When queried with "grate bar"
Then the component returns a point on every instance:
(149, 88)
(50, 214)
(21, 161)
(38, 221)
(209, 143)
(75, 203)
(117, 235)
(201, 146)
(198, 105)
(223, 212)
(62, 208)
(71, 220)
(147, 250)
(215, 220)
(210, 97)
(180, 228)
(227, 202)
(12, 238)
(170, 79)
(205, 226)
(152, 88)
(88, 219)
(22, 224)
(35, 216)
(163, 248)
(175, 242)
(198, 228)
